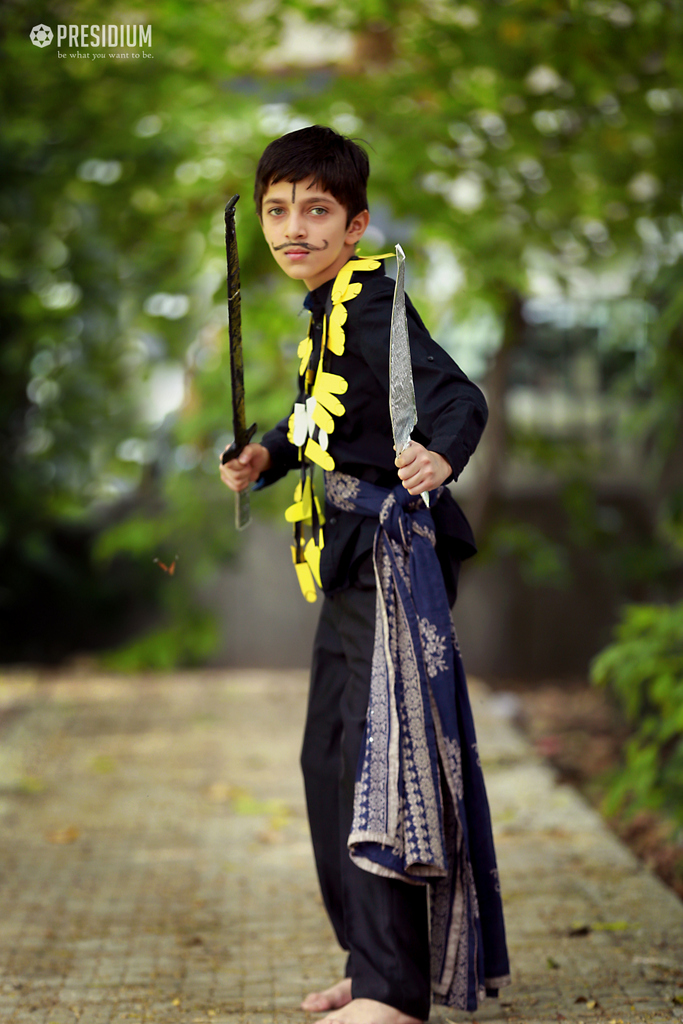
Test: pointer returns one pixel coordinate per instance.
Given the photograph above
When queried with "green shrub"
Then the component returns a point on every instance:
(643, 669)
(185, 643)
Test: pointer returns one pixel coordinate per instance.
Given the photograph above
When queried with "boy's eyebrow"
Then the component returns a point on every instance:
(310, 199)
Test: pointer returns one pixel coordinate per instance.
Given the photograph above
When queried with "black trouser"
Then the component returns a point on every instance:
(382, 922)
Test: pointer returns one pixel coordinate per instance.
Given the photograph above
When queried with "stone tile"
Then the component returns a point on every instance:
(164, 873)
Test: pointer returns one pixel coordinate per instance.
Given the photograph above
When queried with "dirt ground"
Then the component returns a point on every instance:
(579, 732)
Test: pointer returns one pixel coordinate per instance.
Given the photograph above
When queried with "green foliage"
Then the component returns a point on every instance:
(113, 178)
(643, 669)
(542, 134)
(164, 649)
(517, 147)
(531, 150)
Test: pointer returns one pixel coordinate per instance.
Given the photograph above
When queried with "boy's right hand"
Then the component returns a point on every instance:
(253, 460)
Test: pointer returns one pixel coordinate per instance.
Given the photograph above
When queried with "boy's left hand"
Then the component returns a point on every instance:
(421, 470)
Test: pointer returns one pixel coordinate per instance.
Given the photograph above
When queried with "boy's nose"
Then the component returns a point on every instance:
(296, 227)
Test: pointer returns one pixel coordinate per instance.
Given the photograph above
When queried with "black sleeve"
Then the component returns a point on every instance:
(284, 455)
(451, 409)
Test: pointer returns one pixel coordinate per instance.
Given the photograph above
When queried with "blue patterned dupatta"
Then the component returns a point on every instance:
(420, 807)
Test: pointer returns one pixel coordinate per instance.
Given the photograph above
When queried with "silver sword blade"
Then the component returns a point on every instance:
(242, 510)
(401, 389)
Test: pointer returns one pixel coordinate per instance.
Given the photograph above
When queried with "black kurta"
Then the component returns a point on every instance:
(451, 413)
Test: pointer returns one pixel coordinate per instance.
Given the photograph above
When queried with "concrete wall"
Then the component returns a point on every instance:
(266, 622)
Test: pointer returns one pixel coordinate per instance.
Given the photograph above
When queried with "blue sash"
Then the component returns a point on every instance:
(420, 808)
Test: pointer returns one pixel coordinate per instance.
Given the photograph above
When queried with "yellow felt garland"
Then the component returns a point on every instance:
(326, 388)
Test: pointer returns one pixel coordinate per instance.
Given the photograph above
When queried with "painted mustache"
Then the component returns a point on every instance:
(301, 245)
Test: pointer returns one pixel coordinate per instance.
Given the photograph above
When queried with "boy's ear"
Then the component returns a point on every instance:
(357, 227)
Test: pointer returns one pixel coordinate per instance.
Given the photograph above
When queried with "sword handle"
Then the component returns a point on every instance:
(423, 494)
(242, 502)
(237, 447)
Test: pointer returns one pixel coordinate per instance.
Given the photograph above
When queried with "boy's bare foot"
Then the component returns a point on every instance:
(332, 998)
(368, 1011)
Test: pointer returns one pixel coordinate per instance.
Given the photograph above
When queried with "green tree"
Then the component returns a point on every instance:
(115, 170)
(527, 148)
(537, 142)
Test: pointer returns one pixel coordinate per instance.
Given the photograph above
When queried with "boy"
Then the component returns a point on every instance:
(311, 200)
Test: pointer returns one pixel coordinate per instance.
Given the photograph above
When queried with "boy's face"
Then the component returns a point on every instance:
(306, 230)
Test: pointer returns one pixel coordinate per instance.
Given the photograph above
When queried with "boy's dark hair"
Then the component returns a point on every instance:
(337, 165)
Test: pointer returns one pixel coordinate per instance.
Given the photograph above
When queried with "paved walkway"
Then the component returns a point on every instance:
(156, 866)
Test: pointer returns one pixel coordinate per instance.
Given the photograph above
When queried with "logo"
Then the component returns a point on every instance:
(86, 40)
(41, 35)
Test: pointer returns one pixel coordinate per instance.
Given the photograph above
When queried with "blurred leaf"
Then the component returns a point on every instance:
(103, 764)
(643, 668)
(64, 836)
